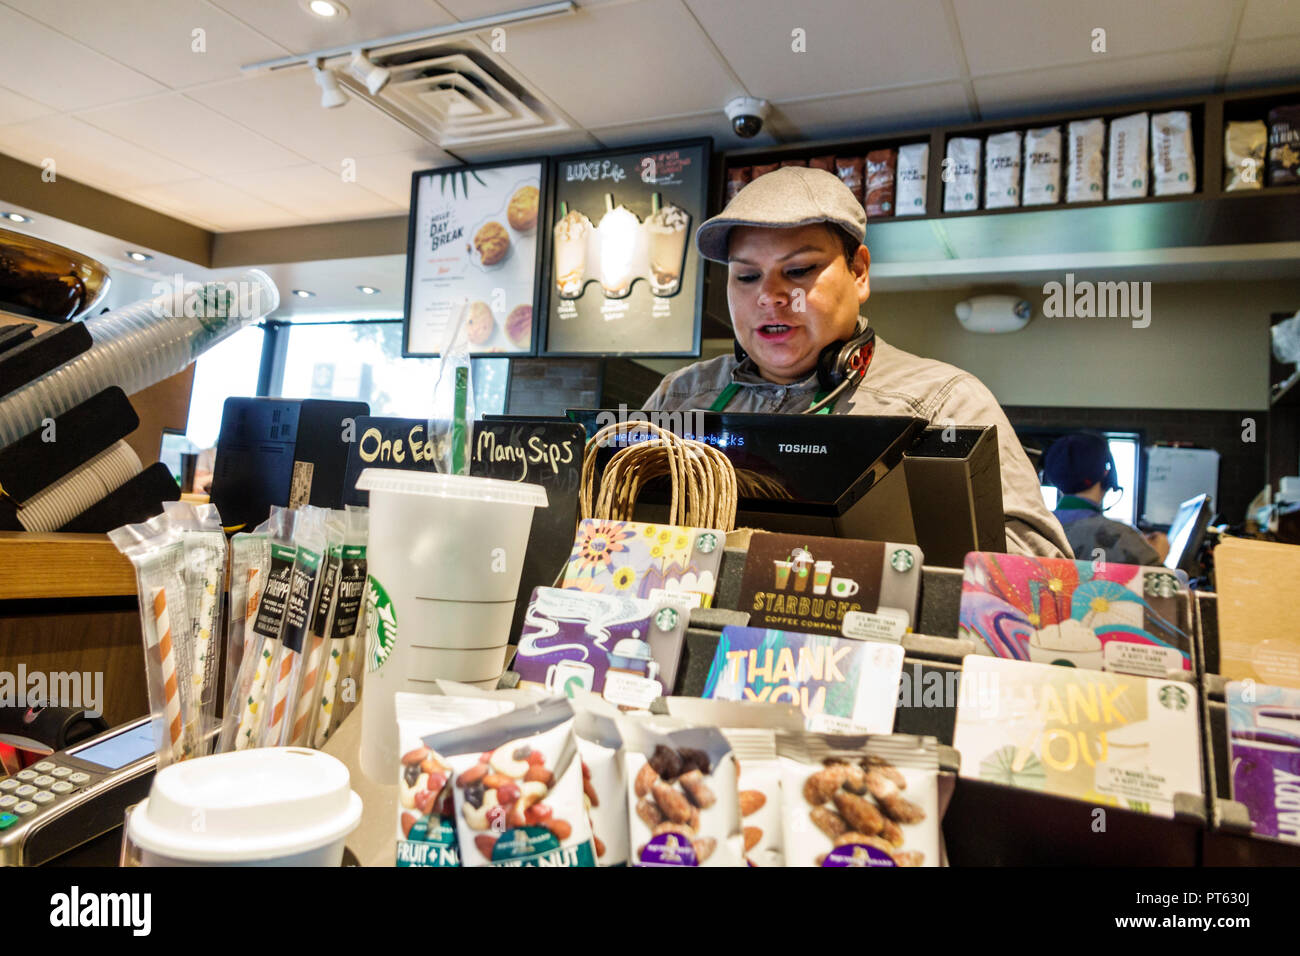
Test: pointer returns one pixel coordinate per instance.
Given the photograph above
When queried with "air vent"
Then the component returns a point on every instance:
(455, 95)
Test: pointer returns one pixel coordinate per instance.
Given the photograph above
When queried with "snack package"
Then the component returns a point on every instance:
(309, 544)
(309, 691)
(1173, 158)
(860, 801)
(1002, 171)
(826, 163)
(204, 545)
(1086, 168)
(1128, 157)
(880, 165)
(1042, 166)
(852, 172)
(250, 557)
(961, 187)
(1244, 147)
(156, 550)
(683, 808)
(426, 821)
(738, 177)
(518, 788)
(1284, 145)
(345, 600)
(600, 747)
(909, 191)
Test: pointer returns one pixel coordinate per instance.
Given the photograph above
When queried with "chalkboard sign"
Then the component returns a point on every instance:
(542, 453)
(623, 276)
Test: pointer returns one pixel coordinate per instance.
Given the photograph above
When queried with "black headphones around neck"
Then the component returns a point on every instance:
(841, 360)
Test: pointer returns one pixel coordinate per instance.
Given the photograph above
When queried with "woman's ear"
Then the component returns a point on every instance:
(861, 266)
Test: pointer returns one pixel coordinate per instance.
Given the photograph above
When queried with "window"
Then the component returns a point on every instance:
(228, 368)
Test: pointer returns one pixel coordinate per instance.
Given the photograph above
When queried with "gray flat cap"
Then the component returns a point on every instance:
(786, 197)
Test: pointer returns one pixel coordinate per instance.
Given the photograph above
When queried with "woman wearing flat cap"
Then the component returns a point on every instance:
(792, 242)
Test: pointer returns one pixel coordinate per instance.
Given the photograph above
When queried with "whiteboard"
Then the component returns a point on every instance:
(1176, 474)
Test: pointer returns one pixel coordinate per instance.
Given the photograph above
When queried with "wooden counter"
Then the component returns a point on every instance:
(43, 566)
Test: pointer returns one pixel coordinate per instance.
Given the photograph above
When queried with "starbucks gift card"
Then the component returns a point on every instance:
(1258, 607)
(1115, 740)
(1095, 615)
(834, 586)
(623, 647)
(842, 686)
(653, 561)
(1264, 737)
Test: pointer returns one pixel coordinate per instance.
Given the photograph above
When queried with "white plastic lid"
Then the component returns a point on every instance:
(452, 486)
(247, 806)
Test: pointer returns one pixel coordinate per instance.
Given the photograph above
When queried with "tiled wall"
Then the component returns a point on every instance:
(549, 386)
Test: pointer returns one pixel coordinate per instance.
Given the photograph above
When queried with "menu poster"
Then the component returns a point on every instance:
(1264, 735)
(841, 686)
(624, 277)
(1115, 740)
(473, 243)
(860, 589)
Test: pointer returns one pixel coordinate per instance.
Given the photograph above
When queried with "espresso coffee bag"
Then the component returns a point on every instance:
(1245, 146)
(1002, 171)
(1173, 159)
(1128, 157)
(1084, 182)
(1042, 166)
(823, 162)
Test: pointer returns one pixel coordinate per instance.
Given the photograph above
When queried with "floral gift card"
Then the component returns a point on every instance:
(645, 561)
(1095, 615)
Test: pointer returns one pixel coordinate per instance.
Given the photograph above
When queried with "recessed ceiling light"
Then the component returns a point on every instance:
(368, 289)
(139, 256)
(303, 293)
(325, 9)
(16, 217)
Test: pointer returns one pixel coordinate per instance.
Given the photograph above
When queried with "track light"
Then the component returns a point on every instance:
(375, 77)
(330, 94)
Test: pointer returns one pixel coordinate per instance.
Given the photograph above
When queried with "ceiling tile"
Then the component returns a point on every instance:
(17, 109)
(156, 36)
(313, 193)
(1264, 61)
(1070, 87)
(1265, 19)
(713, 124)
(390, 175)
(176, 126)
(866, 113)
(284, 106)
(570, 141)
(32, 56)
(89, 155)
(850, 44)
(218, 205)
(289, 25)
(473, 9)
(618, 63)
(1004, 35)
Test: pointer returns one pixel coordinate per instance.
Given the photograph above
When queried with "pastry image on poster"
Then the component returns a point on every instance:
(1093, 615)
(624, 277)
(473, 243)
(1114, 740)
(612, 644)
(645, 561)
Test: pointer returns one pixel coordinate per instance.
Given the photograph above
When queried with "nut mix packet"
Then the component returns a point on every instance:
(682, 803)
(426, 823)
(1244, 147)
(600, 747)
(518, 792)
(860, 801)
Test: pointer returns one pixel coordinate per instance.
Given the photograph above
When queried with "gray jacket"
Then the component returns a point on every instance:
(897, 383)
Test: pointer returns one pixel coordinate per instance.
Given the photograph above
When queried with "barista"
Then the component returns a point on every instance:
(792, 241)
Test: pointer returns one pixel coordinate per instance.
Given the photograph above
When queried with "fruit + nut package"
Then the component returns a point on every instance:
(682, 803)
(518, 788)
(1129, 136)
(860, 801)
(1087, 140)
(600, 747)
(426, 823)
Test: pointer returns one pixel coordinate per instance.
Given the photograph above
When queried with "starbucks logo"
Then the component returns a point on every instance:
(1160, 585)
(666, 619)
(901, 560)
(706, 543)
(1173, 697)
(381, 625)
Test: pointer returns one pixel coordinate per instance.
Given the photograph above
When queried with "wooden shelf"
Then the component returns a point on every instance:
(62, 566)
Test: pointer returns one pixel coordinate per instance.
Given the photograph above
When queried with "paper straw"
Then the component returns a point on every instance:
(248, 720)
(171, 692)
(203, 645)
(250, 609)
(280, 702)
(330, 687)
(302, 714)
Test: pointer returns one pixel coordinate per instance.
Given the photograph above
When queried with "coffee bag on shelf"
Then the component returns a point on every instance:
(1086, 169)
(880, 182)
(961, 186)
(1042, 166)
(1245, 145)
(1128, 157)
(1002, 171)
(1173, 158)
(909, 191)
(1284, 145)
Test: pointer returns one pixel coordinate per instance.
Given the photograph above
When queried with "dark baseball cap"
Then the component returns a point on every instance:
(783, 199)
(1076, 462)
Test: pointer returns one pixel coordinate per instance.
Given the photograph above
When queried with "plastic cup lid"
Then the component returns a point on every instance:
(438, 485)
(247, 806)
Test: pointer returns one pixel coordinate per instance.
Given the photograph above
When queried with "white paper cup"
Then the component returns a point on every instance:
(444, 558)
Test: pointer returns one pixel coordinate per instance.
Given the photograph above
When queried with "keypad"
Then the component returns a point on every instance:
(9, 785)
(7, 801)
(33, 789)
(62, 786)
(44, 766)
(43, 798)
(44, 780)
(25, 808)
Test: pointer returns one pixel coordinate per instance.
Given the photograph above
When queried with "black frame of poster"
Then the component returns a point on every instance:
(706, 191)
(541, 256)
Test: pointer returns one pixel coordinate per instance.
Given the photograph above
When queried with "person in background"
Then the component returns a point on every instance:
(1082, 469)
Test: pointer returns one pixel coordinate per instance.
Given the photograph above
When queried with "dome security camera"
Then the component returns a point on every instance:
(746, 115)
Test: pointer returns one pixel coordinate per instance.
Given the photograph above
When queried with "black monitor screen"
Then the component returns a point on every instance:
(1187, 530)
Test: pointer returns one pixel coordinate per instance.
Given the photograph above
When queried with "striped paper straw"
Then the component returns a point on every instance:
(248, 719)
(203, 647)
(330, 687)
(171, 692)
(280, 702)
(302, 714)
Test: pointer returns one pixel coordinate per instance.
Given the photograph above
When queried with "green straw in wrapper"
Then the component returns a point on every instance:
(459, 426)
